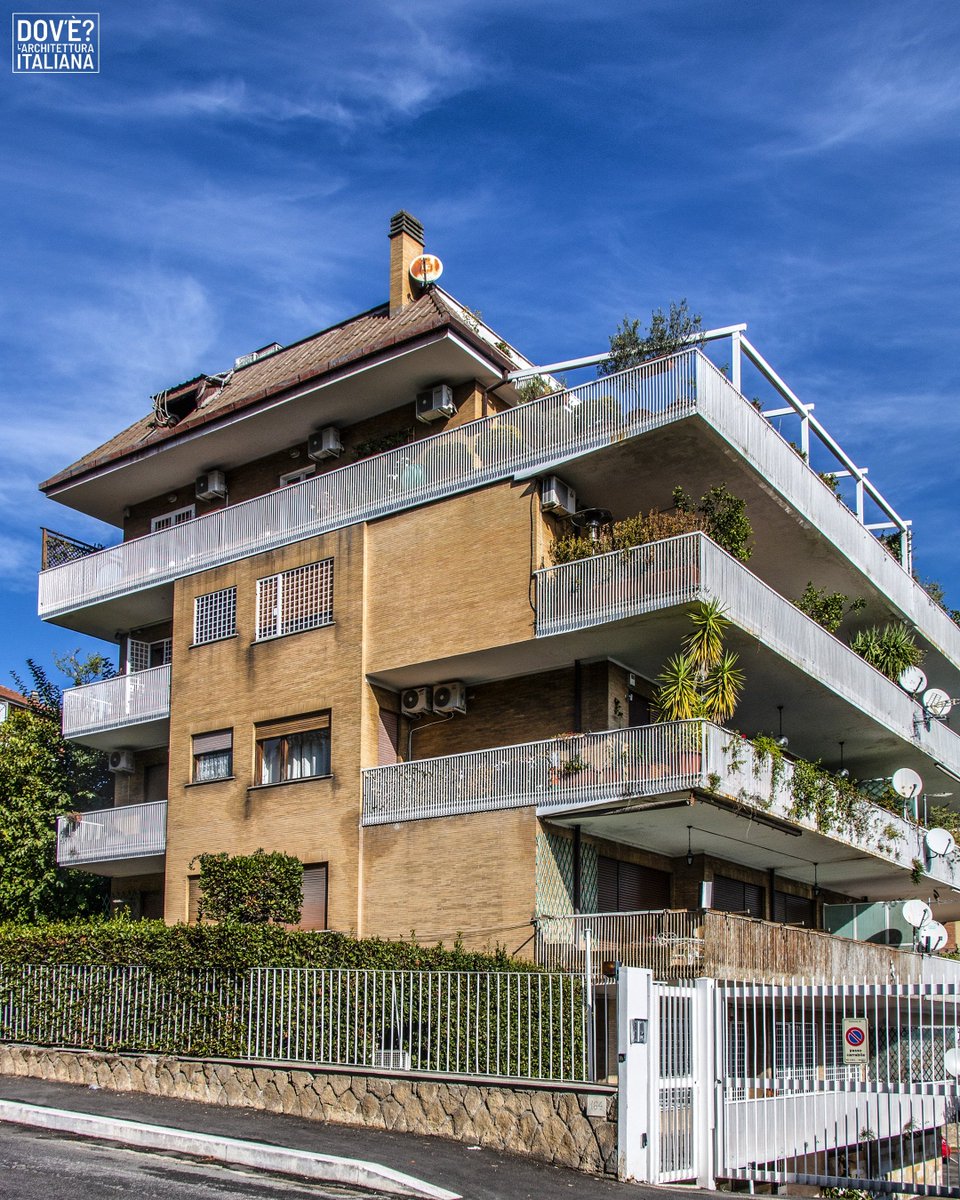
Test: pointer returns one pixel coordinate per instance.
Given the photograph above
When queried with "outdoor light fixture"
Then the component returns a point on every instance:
(689, 846)
(843, 773)
(816, 881)
(782, 742)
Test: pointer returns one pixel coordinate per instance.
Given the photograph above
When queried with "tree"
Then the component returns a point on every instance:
(668, 333)
(250, 889)
(43, 777)
(702, 680)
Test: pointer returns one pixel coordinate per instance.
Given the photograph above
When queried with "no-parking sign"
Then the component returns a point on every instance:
(856, 1040)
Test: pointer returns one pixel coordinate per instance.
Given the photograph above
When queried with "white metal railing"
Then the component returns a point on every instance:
(560, 772)
(131, 699)
(506, 1023)
(610, 587)
(493, 448)
(587, 770)
(109, 834)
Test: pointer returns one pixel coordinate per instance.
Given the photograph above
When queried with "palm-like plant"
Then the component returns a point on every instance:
(703, 680)
(890, 648)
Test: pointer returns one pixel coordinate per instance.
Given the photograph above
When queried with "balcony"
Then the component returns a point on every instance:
(130, 584)
(138, 704)
(683, 943)
(634, 786)
(827, 689)
(128, 840)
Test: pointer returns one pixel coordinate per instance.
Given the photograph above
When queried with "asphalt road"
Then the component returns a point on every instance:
(35, 1165)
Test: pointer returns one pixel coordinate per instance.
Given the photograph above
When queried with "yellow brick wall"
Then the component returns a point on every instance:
(472, 875)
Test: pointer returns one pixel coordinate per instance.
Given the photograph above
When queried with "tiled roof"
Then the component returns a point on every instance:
(351, 340)
(14, 697)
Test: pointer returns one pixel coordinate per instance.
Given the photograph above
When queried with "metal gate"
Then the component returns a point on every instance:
(847, 1084)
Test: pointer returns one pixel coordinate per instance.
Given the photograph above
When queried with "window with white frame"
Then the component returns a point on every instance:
(168, 520)
(293, 749)
(295, 600)
(212, 756)
(297, 476)
(215, 616)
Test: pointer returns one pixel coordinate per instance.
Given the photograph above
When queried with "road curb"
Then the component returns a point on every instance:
(327, 1168)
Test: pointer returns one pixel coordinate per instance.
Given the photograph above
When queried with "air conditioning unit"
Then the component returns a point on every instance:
(557, 496)
(212, 485)
(121, 761)
(324, 443)
(435, 403)
(450, 697)
(391, 1060)
(415, 701)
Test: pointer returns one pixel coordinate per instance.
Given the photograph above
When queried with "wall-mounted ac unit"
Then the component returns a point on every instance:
(211, 485)
(557, 496)
(435, 403)
(391, 1060)
(324, 443)
(121, 761)
(415, 701)
(450, 697)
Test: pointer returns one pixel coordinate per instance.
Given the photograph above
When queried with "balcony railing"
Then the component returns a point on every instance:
(563, 775)
(680, 944)
(109, 834)
(117, 703)
(583, 418)
(621, 584)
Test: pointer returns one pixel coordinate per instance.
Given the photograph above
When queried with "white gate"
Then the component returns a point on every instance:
(847, 1084)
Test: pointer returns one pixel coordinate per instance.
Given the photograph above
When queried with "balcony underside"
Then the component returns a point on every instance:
(140, 736)
(120, 868)
(108, 619)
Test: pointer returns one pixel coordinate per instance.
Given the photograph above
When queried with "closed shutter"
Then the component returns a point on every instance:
(388, 738)
(732, 895)
(607, 885)
(629, 887)
(211, 743)
(654, 888)
(793, 910)
(313, 915)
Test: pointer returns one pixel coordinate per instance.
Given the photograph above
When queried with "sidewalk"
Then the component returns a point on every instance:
(477, 1174)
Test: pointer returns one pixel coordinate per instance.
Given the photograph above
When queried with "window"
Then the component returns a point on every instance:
(732, 895)
(794, 910)
(313, 915)
(295, 600)
(168, 520)
(212, 756)
(291, 750)
(141, 656)
(297, 476)
(628, 887)
(215, 616)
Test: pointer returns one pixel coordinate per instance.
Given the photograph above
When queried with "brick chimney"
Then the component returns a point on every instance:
(406, 243)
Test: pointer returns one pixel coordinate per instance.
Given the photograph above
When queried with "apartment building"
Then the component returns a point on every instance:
(342, 634)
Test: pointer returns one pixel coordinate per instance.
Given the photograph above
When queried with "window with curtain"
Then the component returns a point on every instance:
(212, 756)
(293, 749)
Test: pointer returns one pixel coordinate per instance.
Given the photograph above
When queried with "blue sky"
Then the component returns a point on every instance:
(227, 180)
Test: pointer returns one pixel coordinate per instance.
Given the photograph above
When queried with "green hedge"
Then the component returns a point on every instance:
(170, 947)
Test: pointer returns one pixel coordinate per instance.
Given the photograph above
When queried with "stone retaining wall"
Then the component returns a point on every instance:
(556, 1124)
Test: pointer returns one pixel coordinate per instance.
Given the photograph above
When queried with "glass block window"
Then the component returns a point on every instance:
(295, 600)
(293, 749)
(215, 616)
(212, 756)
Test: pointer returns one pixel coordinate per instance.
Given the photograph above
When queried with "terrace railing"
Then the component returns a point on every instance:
(124, 700)
(111, 834)
(494, 448)
(621, 584)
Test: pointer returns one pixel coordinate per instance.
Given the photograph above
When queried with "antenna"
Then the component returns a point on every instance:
(937, 703)
(916, 913)
(933, 935)
(939, 842)
(426, 269)
(906, 783)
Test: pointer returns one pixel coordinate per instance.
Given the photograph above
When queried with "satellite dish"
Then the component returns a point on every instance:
(907, 783)
(912, 680)
(939, 841)
(937, 703)
(933, 935)
(426, 268)
(916, 913)
(951, 1061)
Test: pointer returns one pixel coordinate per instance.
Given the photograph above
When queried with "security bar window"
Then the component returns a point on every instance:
(212, 756)
(215, 616)
(295, 600)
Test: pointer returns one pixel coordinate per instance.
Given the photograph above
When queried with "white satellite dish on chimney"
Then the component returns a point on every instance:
(937, 703)
(939, 842)
(917, 913)
(932, 935)
(906, 783)
(912, 680)
(426, 268)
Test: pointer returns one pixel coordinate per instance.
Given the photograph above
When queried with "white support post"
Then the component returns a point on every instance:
(736, 364)
(638, 1133)
(805, 438)
(589, 1007)
(705, 1072)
